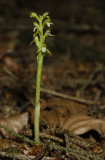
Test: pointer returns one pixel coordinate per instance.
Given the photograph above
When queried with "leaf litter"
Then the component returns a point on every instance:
(74, 117)
(72, 122)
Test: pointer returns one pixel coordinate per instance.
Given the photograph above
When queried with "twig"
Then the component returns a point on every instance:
(82, 154)
(25, 139)
(47, 136)
(88, 102)
(80, 100)
(79, 154)
(75, 139)
(10, 73)
(79, 147)
(16, 156)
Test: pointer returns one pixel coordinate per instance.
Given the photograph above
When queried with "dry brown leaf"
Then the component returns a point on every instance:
(50, 116)
(14, 123)
(80, 124)
(58, 111)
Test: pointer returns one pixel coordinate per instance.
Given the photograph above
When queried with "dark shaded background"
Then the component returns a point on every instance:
(79, 25)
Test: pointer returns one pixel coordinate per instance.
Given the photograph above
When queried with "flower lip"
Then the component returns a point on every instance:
(43, 49)
(48, 24)
(36, 37)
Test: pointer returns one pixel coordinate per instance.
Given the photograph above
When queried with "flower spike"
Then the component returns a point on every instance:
(39, 37)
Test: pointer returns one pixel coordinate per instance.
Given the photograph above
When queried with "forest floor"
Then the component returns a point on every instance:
(72, 122)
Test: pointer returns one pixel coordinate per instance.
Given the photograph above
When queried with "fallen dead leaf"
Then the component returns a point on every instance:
(69, 115)
(80, 124)
(14, 123)
(58, 111)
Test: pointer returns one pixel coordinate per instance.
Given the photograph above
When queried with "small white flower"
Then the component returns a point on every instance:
(34, 29)
(36, 38)
(47, 17)
(43, 49)
(49, 34)
(48, 24)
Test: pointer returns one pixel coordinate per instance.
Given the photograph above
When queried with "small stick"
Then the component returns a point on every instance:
(10, 73)
(47, 136)
(16, 156)
(80, 100)
(25, 139)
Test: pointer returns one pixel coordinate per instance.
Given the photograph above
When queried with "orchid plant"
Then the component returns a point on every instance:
(39, 36)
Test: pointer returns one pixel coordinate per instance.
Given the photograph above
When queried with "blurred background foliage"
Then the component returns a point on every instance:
(79, 25)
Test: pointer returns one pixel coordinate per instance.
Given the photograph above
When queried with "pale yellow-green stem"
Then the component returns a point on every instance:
(37, 98)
